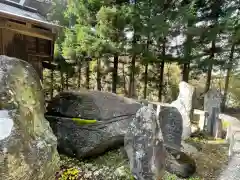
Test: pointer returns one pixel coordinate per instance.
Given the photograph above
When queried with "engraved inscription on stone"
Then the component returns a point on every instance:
(171, 126)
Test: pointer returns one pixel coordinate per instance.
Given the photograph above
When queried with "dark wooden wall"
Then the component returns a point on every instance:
(31, 49)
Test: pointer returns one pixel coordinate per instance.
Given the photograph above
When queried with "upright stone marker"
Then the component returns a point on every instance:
(171, 124)
(212, 105)
(144, 146)
(28, 148)
(184, 105)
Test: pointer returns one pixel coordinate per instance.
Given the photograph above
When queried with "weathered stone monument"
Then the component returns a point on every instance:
(171, 124)
(144, 146)
(212, 108)
(28, 148)
(177, 162)
(184, 104)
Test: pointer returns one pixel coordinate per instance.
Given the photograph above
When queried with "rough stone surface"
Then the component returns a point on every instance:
(113, 114)
(144, 146)
(184, 103)
(102, 106)
(28, 148)
(212, 105)
(171, 124)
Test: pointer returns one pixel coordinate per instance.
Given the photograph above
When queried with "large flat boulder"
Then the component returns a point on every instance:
(112, 114)
(28, 147)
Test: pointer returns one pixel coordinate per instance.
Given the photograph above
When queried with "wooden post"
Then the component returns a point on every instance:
(52, 81)
(52, 70)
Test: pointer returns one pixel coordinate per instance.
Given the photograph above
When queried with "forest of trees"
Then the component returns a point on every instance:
(144, 48)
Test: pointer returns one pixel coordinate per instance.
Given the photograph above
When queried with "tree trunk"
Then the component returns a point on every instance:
(146, 70)
(99, 85)
(67, 80)
(187, 53)
(87, 73)
(134, 55)
(210, 67)
(132, 76)
(185, 72)
(161, 81)
(147, 49)
(145, 81)
(62, 80)
(161, 70)
(133, 67)
(124, 81)
(209, 76)
(52, 81)
(79, 75)
(227, 77)
(115, 74)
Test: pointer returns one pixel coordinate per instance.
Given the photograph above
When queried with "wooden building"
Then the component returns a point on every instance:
(25, 34)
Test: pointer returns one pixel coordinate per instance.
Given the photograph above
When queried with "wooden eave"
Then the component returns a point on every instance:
(28, 26)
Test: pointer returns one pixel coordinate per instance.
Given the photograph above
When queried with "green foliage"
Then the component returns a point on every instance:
(234, 90)
(69, 44)
(174, 177)
(95, 29)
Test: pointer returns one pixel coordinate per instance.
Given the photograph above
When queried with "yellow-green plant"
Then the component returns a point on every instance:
(68, 174)
(225, 124)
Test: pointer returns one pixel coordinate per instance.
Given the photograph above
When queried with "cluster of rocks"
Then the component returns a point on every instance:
(152, 140)
(145, 133)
